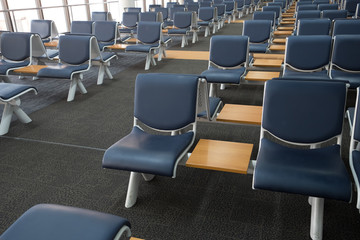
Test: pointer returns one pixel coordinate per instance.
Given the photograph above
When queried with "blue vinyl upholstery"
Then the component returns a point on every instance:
(41, 27)
(130, 19)
(164, 102)
(56, 222)
(295, 111)
(314, 26)
(149, 32)
(267, 15)
(276, 9)
(147, 17)
(346, 26)
(105, 33)
(334, 14)
(15, 46)
(133, 9)
(99, 16)
(62, 71)
(82, 27)
(74, 49)
(206, 14)
(10, 90)
(182, 19)
(350, 6)
(345, 62)
(259, 32)
(328, 6)
(307, 7)
(192, 7)
(308, 54)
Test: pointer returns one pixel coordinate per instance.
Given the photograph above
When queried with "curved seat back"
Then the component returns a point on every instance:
(328, 6)
(333, 14)
(105, 31)
(258, 31)
(16, 46)
(149, 32)
(346, 53)
(276, 9)
(100, 16)
(182, 19)
(164, 12)
(82, 27)
(130, 19)
(206, 13)
(147, 17)
(75, 49)
(346, 26)
(314, 27)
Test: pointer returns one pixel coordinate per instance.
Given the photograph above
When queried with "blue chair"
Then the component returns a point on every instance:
(183, 21)
(45, 28)
(192, 7)
(240, 7)
(354, 153)
(10, 94)
(307, 57)
(205, 4)
(247, 6)
(267, 15)
(306, 7)
(259, 33)
(350, 6)
(328, 6)
(165, 103)
(129, 24)
(164, 15)
(228, 60)
(207, 16)
(82, 27)
(297, 112)
(149, 36)
(101, 16)
(171, 4)
(133, 9)
(75, 57)
(314, 26)
(148, 17)
(221, 17)
(281, 4)
(346, 27)
(105, 33)
(230, 10)
(345, 60)
(276, 9)
(305, 14)
(321, 2)
(56, 222)
(334, 14)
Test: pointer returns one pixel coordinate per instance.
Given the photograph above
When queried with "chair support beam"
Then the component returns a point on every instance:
(133, 189)
(317, 215)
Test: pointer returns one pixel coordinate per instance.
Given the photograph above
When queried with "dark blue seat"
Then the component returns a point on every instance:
(259, 32)
(10, 94)
(129, 24)
(192, 6)
(133, 9)
(82, 27)
(148, 17)
(328, 6)
(276, 9)
(334, 14)
(354, 153)
(45, 28)
(314, 26)
(75, 55)
(183, 21)
(56, 222)
(101, 16)
(228, 60)
(208, 107)
(165, 103)
(346, 26)
(240, 7)
(267, 15)
(345, 60)
(230, 10)
(221, 17)
(307, 57)
(207, 17)
(150, 35)
(307, 7)
(350, 6)
(293, 113)
(205, 4)
(105, 33)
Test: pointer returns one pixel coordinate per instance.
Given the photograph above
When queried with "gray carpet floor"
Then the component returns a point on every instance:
(57, 159)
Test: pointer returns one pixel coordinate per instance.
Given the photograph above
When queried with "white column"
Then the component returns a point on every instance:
(126, 3)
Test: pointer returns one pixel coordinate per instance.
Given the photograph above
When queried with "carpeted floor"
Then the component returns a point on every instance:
(57, 159)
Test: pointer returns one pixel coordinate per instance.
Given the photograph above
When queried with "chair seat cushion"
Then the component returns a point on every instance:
(352, 78)
(10, 90)
(214, 103)
(356, 162)
(51, 53)
(305, 75)
(55, 222)
(217, 75)
(105, 56)
(146, 153)
(141, 47)
(204, 23)
(5, 65)
(178, 31)
(258, 47)
(61, 71)
(311, 172)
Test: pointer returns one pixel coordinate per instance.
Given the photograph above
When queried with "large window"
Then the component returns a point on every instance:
(77, 13)
(22, 18)
(96, 5)
(114, 8)
(56, 14)
(3, 26)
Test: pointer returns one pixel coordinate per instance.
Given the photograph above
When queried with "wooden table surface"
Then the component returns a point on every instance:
(241, 114)
(51, 44)
(269, 56)
(282, 33)
(277, 47)
(261, 75)
(267, 62)
(187, 55)
(119, 46)
(220, 155)
(32, 69)
(279, 40)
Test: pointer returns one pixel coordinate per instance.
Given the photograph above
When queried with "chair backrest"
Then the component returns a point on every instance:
(147, 17)
(77, 49)
(105, 31)
(205, 4)
(346, 26)
(229, 51)
(308, 14)
(82, 27)
(149, 32)
(314, 26)
(240, 3)
(171, 4)
(275, 4)
(346, 53)
(100, 16)
(133, 9)
(333, 14)
(321, 2)
(45, 28)
(130, 19)
(258, 31)
(303, 112)
(267, 15)
(229, 5)
(164, 12)
(328, 6)
(220, 9)
(16, 46)
(217, 1)
(307, 7)
(276, 9)
(166, 101)
(183, 19)
(350, 6)
(206, 13)
(173, 11)
(192, 7)
(307, 53)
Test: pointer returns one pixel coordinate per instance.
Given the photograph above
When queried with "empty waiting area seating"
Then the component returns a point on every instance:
(165, 103)
(346, 26)
(297, 112)
(314, 27)
(259, 33)
(45, 28)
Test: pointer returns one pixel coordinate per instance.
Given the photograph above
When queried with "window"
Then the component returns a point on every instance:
(96, 6)
(23, 18)
(56, 14)
(77, 13)
(114, 8)
(3, 26)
